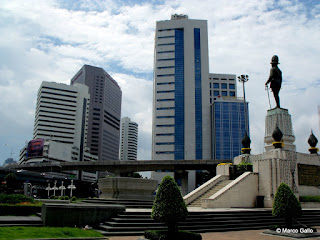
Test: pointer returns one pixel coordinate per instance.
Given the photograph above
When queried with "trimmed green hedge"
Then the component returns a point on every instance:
(19, 210)
(163, 235)
(15, 198)
(309, 198)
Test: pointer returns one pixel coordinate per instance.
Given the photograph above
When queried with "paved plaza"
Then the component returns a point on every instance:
(234, 235)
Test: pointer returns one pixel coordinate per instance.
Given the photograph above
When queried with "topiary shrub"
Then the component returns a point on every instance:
(73, 199)
(66, 198)
(286, 205)
(61, 198)
(168, 205)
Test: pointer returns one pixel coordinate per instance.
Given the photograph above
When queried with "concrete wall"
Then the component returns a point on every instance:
(77, 214)
(276, 166)
(223, 169)
(242, 192)
(127, 188)
(308, 159)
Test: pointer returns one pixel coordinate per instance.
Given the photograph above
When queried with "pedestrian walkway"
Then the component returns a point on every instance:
(234, 235)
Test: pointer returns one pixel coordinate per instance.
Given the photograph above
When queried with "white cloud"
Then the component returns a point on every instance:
(137, 105)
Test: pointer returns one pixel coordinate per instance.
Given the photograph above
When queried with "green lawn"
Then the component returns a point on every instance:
(45, 232)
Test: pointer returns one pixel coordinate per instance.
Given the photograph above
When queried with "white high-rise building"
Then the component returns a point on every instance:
(181, 107)
(60, 127)
(129, 140)
(62, 113)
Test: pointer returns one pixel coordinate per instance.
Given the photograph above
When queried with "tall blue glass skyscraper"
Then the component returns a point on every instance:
(181, 110)
(228, 127)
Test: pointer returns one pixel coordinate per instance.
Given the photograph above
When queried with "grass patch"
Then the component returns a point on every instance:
(45, 232)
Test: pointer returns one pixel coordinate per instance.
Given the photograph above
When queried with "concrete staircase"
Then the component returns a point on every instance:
(127, 203)
(19, 221)
(209, 193)
(135, 223)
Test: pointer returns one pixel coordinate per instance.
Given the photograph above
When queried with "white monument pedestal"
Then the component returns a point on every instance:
(279, 117)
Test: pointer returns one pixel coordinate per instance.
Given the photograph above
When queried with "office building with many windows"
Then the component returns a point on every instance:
(104, 111)
(129, 140)
(60, 128)
(62, 113)
(181, 110)
(222, 85)
(229, 120)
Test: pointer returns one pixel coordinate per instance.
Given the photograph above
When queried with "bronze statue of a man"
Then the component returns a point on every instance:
(275, 79)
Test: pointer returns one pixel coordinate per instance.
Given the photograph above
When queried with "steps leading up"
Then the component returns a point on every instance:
(209, 193)
(10, 221)
(135, 223)
(135, 203)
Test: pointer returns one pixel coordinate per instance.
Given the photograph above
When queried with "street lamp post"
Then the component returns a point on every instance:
(244, 79)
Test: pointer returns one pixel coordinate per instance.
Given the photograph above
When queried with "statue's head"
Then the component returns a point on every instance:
(274, 59)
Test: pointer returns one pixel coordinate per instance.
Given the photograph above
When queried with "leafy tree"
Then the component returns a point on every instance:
(168, 205)
(286, 204)
(131, 174)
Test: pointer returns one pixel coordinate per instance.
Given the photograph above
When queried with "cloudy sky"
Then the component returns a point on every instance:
(50, 40)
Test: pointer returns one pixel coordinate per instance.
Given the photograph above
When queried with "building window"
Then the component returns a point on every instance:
(165, 134)
(165, 116)
(216, 93)
(224, 93)
(165, 143)
(232, 93)
(232, 86)
(215, 85)
(179, 95)
(224, 86)
(165, 108)
(165, 75)
(164, 100)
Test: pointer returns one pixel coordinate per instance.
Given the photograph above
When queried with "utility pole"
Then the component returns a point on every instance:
(244, 79)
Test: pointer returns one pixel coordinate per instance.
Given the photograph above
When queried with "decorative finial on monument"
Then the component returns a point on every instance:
(277, 136)
(313, 143)
(246, 144)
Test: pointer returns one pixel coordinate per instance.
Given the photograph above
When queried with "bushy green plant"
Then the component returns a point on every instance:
(163, 235)
(286, 204)
(309, 198)
(73, 199)
(52, 197)
(168, 205)
(243, 166)
(61, 198)
(66, 198)
(15, 198)
(19, 210)
(56, 197)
